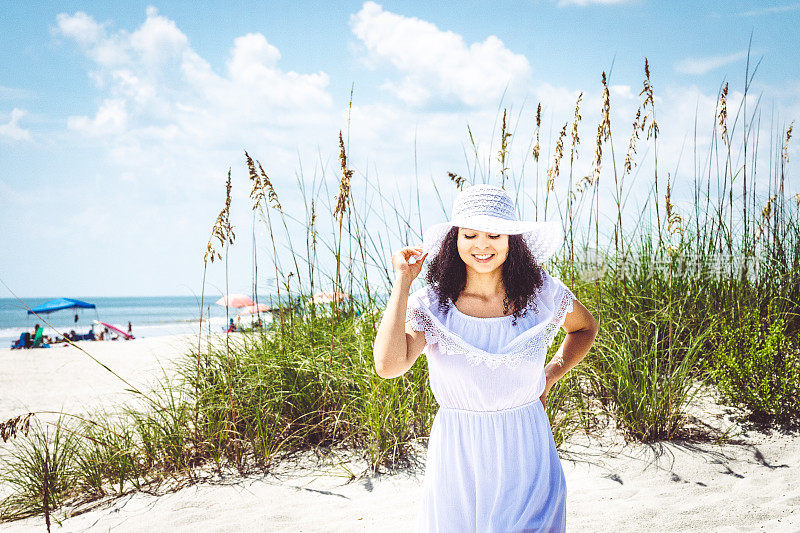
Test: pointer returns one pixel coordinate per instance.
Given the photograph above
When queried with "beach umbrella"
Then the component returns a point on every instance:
(59, 304)
(327, 297)
(235, 300)
(250, 309)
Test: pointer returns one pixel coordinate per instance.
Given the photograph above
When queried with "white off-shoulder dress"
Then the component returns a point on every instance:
(492, 464)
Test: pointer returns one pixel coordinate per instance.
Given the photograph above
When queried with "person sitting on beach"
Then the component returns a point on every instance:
(231, 327)
(36, 329)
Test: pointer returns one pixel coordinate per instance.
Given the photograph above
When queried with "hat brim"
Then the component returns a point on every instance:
(542, 238)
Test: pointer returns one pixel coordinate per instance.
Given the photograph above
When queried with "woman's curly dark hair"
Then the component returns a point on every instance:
(521, 275)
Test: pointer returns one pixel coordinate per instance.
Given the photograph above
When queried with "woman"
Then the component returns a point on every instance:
(485, 320)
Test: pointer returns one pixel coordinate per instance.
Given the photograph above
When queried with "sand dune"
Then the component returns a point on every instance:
(751, 483)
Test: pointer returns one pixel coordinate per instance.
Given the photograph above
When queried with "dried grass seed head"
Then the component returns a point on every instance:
(17, 425)
(222, 229)
(458, 180)
(553, 171)
(503, 153)
(273, 196)
(536, 147)
(723, 113)
(344, 185)
(257, 191)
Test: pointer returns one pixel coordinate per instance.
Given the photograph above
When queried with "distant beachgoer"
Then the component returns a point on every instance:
(231, 326)
(130, 328)
(76, 318)
(37, 331)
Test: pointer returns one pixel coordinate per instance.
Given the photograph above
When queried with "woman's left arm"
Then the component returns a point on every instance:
(581, 328)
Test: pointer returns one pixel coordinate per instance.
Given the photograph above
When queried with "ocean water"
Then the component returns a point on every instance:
(149, 316)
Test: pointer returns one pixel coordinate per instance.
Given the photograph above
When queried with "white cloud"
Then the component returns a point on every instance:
(703, 65)
(438, 64)
(165, 113)
(110, 119)
(562, 3)
(12, 130)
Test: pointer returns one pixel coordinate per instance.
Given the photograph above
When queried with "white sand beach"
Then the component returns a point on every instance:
(751, 483)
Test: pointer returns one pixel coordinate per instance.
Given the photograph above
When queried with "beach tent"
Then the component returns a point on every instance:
(58, 304)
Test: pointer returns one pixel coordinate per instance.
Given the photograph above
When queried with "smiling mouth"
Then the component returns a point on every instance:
(483, 258)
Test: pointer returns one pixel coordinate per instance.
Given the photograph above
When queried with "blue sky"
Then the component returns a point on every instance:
(118, 121)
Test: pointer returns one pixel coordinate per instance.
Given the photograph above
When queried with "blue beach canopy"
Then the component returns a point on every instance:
(59, 304)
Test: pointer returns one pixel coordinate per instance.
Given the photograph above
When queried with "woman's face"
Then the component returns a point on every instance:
(474, 245)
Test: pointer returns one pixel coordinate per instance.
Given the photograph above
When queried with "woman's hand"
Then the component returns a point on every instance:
(400, 262)
(550, 381)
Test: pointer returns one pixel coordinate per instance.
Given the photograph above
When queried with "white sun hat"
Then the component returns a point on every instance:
(489, 208)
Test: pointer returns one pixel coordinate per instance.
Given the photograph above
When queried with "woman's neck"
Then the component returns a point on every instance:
(484, 285)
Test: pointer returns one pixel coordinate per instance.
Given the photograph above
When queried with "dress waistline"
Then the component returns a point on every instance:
(484, 412)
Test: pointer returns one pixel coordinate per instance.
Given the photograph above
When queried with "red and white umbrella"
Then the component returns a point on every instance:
(327, 297)
(235, 300)
(250, 309)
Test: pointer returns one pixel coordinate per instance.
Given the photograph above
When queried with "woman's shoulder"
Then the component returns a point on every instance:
(424, 295)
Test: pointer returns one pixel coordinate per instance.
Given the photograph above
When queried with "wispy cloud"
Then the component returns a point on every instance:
(702, 65)
(12, 93)
(12, 130)
(562, 3)
(770, 10)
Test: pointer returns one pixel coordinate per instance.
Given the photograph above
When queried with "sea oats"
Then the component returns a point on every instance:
(222, 229)
(765, 213)
(673, 219)
(344, 185)
(786, 143)
(458, 180)
(573, 151)
(257, 192)
(538, 127)
(629, 162)
(603, 135)
(502, 155)
(723, 113)
(19, 424)
(553, 171)
(647, 91)
(265, 182)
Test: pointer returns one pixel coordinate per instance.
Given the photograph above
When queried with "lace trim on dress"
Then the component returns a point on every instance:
(528, 345)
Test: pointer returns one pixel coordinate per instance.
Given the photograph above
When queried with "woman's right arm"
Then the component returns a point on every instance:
(397, 347)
